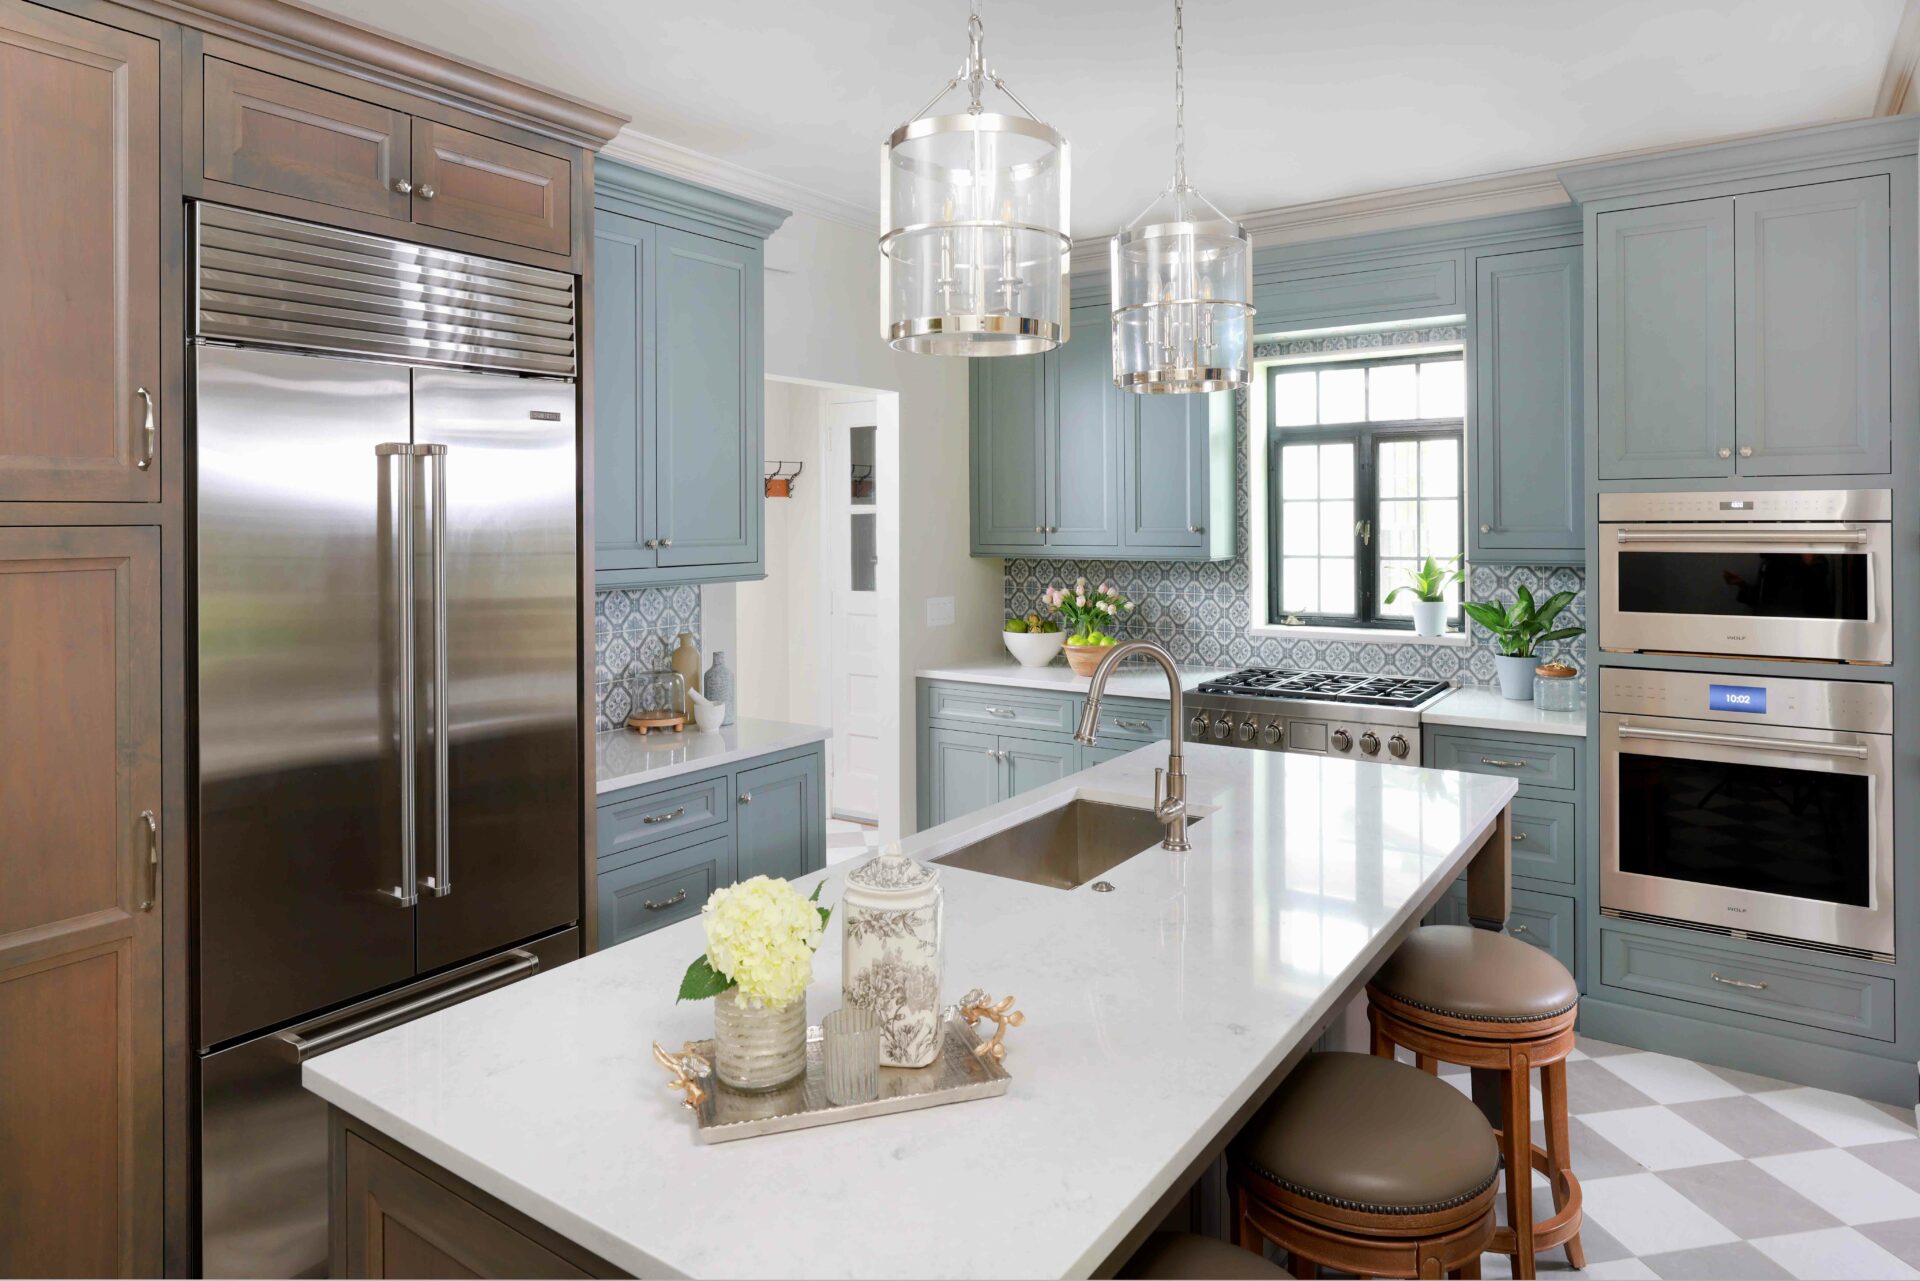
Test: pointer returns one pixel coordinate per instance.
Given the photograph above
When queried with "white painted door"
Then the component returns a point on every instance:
(853, 492)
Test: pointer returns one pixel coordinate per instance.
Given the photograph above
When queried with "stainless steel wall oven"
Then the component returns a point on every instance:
(1753, 805)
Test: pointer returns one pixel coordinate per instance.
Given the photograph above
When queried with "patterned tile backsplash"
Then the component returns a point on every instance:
(634, 632)
(1202, 613)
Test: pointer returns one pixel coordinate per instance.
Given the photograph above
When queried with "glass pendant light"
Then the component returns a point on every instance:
(973, 215)
(1182, 280)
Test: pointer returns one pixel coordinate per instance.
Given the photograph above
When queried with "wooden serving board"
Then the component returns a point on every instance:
(657, 720)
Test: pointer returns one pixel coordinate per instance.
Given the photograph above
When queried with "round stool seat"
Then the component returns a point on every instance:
(1182, 1256)
(1477, 975)
(1372, 1135)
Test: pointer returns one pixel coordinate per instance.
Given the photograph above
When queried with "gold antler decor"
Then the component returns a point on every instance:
(686, 1067)
(976, 1005)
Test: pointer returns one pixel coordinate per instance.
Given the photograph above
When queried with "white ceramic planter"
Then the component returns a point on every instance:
(1516, 676)
(1429, 618)
(890, 954)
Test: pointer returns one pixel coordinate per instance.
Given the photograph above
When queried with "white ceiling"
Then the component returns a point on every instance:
(1288, 101)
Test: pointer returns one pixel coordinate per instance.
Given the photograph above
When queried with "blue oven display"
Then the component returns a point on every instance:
(1737, 698)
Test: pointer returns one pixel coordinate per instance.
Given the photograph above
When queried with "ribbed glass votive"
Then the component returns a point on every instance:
(757, 1048)
(852, 1048)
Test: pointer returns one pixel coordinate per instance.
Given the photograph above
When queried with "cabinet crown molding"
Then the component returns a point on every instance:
(1759, 156)
(689, 200)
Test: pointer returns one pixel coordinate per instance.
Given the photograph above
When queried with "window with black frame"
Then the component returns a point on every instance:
(1365, 481)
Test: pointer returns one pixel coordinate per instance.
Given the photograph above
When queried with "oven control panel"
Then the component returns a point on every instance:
(1864, 707)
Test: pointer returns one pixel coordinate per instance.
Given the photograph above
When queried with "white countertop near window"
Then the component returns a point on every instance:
(1138, 678)
(1153, 1013)
(624, 757)
(1478, 707)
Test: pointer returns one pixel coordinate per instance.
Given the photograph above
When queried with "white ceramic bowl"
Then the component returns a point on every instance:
(1034, 649)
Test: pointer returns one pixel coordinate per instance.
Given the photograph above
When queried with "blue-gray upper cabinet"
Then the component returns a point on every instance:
(1664, 355)
(1528, 502)
(1009, 418)
(1367, 292)
(1083, 437)
(678, 375)
(1176, 476)
(1813, 329)
(782, 818)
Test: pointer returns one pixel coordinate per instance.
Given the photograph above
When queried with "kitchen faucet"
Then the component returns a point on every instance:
(1171, 809)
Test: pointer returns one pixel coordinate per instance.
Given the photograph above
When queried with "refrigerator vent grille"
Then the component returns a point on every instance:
(284, 283)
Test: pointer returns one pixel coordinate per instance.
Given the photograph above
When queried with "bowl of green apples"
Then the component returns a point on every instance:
(1034, 641)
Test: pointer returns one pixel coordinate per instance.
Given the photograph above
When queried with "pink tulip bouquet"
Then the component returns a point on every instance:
(1092, 613)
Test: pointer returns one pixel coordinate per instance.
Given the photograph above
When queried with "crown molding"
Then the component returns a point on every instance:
(1903, 65)
(701, 203)
(675, 161)
(1751, 156)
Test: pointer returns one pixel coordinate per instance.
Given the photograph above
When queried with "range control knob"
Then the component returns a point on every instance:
(1222, 728)
(1197, 727)
(1370, 743)
(1397, 746)
(1271, 734)
(1247, 730)
(1342, 741)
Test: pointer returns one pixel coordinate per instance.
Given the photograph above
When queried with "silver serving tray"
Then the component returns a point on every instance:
(956, 1076)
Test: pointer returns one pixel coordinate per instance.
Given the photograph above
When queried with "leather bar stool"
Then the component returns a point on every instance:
(1455, 994)
(1368, 1166)
(1184, 1256)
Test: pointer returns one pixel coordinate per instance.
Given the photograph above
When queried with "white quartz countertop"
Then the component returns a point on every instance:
(1152, 1014)
(1138, 678)
(1480, 708)
(624, 757)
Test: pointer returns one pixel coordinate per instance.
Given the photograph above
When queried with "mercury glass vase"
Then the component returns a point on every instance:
(758, 1047)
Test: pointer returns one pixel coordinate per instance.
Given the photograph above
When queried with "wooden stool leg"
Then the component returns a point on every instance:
(1553, 1098)
(1245, 1234)
(1469, 1271)
(1302, 1267)
(1427, 1063)
(1516, 1145)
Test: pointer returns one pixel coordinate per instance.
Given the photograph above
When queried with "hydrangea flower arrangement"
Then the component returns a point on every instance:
(761, 937)
(1093, 613)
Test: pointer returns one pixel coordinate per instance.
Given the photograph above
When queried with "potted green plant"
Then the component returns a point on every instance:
(1092, 615)
(1517, 630)
(1429, 583)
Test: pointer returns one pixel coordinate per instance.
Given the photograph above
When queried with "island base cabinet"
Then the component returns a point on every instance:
(395, 1214)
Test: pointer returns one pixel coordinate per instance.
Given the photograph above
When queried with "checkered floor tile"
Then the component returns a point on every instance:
(1697, 1171)
(850, 840)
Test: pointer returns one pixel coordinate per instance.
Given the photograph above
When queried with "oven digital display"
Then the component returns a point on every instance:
(1737, 698)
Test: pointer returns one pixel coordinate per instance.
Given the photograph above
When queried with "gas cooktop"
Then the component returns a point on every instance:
(1326, 687)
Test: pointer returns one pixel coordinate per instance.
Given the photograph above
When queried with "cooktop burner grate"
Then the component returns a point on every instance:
(1326, 687)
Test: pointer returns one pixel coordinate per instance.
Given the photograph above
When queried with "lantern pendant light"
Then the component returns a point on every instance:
(1182, 280)
(973, 213)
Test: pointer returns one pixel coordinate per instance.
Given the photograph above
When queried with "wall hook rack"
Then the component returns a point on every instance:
(780, 480)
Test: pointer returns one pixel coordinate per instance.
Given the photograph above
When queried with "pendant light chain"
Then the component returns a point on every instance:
(1179, 95)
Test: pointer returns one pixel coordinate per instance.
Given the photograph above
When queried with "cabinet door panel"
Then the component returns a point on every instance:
(80, 1140)
(273, 134)
(1164, 471)
(623, 405)
(1083, 437)
(1032, 762)
(80, 258)
(1531, 491)
(1665, 343)
(1009, 410)
(1814, 329)
(484, 187)
(782, 818)
(963, 773)
(707, 410)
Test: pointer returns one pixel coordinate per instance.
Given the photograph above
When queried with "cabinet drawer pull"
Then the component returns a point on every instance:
(1141, 726)
(664, 818)
(1004, 713)
(1502, 764)
(1751, 987)
(664, 903)
(149, 430)
(152, 825)
(746, 798)
(1517, 930)
(1519, 837)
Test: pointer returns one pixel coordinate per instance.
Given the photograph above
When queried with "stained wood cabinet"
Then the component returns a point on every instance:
(80, 374)
(481, 186)
(80, 993)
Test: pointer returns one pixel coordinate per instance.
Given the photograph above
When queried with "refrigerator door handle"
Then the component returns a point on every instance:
(519, 964)
(396, 497)
(441, 882)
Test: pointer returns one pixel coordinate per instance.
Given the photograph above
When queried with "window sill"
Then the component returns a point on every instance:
(1368, 635)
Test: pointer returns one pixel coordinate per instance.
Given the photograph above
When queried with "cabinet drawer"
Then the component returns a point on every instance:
(1143, 721)
(483, 187)
(1860, 1004)
(1546, 921)
(1532, 763)
(1546, 839)
(273, 134)
(655, 817)
(642, 897)
(1000, 708)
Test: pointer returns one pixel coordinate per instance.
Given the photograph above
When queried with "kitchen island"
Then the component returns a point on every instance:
(1158, 1015)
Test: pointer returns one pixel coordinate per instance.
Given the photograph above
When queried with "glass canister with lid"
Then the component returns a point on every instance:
(890, 953)
(1556, 688)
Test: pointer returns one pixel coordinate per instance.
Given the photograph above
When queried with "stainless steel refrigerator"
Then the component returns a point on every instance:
(386, 671)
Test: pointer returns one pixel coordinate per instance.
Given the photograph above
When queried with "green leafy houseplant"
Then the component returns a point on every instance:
(1430, 581)
(1518, 628)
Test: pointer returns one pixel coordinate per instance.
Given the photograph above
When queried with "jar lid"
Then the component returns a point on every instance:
(891, 872)
(1555, 671)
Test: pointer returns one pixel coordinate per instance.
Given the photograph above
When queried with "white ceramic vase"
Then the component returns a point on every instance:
(890, 954)
(1429, 618)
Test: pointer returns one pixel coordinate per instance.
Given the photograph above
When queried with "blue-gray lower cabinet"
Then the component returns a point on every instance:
(1549, 922)
(664, 847)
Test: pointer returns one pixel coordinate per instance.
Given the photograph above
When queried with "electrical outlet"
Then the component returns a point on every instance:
(939, 611)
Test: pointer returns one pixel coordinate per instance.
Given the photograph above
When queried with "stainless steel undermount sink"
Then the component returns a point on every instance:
(1064, 847)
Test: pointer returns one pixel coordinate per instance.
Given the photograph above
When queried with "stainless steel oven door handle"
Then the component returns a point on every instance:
(1785, 746)
(519, 964)
(1851, 537)
(396, 497)
(441, 882)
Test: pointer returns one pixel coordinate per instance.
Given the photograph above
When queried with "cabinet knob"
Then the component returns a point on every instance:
(1724, 452)
(745, 798)
(652, 542)
(666, 542)
(1039, 529)
(1486, 529)
(426, 191)
(1746, 451)
(1196, 529)
(402, 187)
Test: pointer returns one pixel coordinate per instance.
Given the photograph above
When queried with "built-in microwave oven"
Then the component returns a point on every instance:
(1798, 574)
